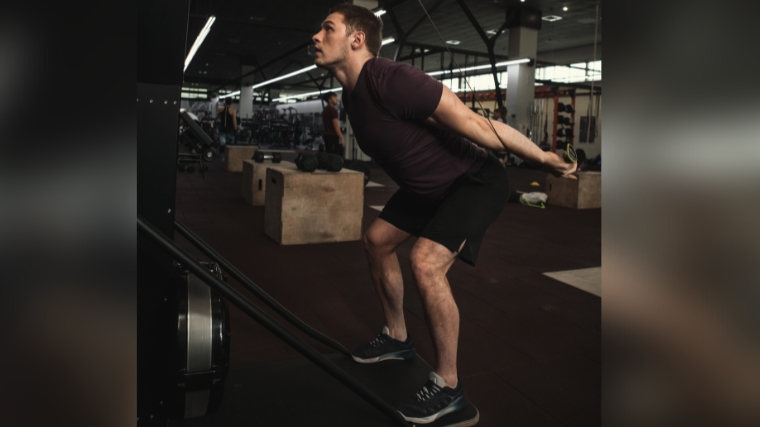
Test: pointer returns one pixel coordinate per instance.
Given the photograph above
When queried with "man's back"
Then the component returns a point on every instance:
(387, 110)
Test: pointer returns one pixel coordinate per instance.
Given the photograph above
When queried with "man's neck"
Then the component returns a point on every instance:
(348, 73)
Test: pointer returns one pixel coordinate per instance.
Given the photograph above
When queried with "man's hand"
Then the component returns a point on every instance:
(342, 142)
(558, 166)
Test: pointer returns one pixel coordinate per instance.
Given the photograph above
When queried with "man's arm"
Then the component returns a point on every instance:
(234, 119)
(452, 115)
(336, 126)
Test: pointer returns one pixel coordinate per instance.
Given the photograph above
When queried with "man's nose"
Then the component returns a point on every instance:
(315, 38)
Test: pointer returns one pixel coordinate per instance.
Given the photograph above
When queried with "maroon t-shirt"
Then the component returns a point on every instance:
(328, 114)
(387, 110)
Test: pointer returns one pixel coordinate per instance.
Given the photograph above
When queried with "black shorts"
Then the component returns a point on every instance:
(467, 209)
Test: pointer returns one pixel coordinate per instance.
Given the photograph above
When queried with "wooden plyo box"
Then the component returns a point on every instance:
(235, 154)
(255, 179)
(313, 207)
(585, 193)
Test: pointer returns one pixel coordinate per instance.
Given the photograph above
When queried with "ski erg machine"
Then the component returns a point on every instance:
(184, 377)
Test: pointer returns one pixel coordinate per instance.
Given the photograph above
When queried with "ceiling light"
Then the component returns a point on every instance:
(491, 32)
(480, 67)
(294, 73)
(388, 40)
(565, 8)
(551, 18)
(303, 95)
(199, 40)
(380, 12)
(454, 42)
(230, 94)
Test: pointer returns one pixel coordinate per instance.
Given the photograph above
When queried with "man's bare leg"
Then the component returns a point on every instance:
(380, 243)
(430, 262)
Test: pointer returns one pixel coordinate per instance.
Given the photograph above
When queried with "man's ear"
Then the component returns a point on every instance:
(357, 39)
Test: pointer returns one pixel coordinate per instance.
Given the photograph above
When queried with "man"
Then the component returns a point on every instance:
(227, 118)
(451, 190)
(333, 137)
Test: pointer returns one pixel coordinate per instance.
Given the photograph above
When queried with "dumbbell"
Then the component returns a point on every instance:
(561, 107)
(569, 108)
(190, 168)
(261, 156)
(306, 162)
(560, 132)
(182, 167)
(204, 167)
(329, 162)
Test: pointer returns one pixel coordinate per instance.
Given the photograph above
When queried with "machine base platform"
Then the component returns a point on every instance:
(298, 393)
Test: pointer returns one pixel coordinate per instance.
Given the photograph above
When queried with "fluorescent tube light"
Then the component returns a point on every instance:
(454, 42)
(300, 95)
(480, 67)
(380, 13)
(551, 18)
(294, 73)
(230, 94)
(388, 40)
(199, 40)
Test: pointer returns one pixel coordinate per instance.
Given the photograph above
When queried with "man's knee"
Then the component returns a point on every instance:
(375, 241)
(424, 266)
(383, 238)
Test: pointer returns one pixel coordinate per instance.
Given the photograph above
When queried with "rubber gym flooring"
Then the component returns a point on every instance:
(530, 346)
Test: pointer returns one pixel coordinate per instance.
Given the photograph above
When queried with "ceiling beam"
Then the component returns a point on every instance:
(404, 35)
(310, 31)
(274, 60)
(489, 45)
(455, 50)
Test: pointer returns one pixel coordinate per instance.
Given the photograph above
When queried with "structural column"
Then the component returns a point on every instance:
(523, 43)
(246, 94)
(214, 106)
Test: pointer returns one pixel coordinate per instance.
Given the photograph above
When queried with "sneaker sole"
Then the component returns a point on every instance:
(456, 405)
(390, 356)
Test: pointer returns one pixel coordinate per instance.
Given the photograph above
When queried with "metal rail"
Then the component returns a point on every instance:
(245, 281)
(250, 309)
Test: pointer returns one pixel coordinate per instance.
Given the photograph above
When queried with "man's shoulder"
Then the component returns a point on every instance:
(380, 66)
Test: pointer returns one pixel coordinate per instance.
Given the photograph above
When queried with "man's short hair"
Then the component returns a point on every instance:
(359, 18)
(327, 95)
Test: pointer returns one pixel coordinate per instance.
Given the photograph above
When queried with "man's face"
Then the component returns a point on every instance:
(333, 100)
(331, 44)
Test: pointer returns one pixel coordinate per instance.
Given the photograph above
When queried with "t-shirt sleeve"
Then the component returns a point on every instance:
(409, 93)
(331, 113)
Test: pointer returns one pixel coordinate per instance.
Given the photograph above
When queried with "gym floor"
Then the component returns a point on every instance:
(530, 345)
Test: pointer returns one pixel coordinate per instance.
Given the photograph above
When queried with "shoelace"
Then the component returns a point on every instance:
(426, 394)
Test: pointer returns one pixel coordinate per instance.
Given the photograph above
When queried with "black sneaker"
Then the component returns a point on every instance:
(432, 402)
(383, 347)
